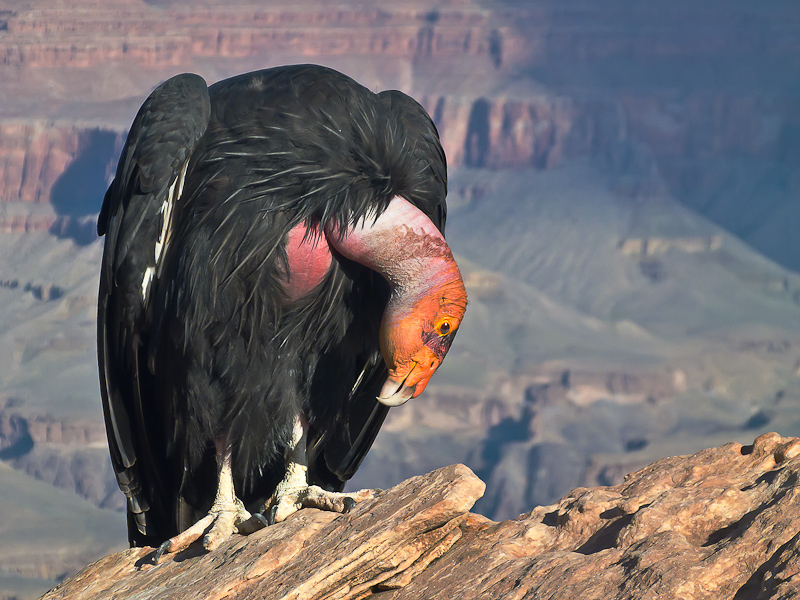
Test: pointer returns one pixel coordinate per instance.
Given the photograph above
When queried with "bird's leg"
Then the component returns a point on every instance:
(225, 515)
(294, 493)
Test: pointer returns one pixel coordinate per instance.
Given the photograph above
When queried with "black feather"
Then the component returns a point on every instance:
(215, 346)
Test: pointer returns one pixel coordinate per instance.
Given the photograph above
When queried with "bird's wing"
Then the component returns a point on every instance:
(336, 452)
(422, 180)
(138, 210)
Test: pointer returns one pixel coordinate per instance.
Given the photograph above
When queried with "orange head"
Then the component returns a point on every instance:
(415, 337)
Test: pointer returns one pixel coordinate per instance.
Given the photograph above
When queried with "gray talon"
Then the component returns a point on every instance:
(262, 518)
(272, 515)
(349, 504)
(161, 550)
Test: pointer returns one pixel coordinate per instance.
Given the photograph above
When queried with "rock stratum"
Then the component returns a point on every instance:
(708, 94)
(717, 524)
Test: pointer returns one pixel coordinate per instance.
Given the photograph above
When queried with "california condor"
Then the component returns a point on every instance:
(274, 278)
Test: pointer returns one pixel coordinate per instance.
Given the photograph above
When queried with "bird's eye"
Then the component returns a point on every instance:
(444, 328)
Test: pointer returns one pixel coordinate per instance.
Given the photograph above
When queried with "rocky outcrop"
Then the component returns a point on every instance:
(718, 524)
(68, 454)
(34, 155)
(540, 131)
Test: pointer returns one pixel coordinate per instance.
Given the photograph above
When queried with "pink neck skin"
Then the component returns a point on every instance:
(309, 259)
(405, 247)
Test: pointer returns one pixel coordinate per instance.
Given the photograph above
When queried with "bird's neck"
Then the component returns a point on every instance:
(404, 246)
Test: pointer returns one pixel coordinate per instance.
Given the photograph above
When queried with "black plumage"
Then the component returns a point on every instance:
(206, 342)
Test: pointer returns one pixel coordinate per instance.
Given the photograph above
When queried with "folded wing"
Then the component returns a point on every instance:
(137, 217)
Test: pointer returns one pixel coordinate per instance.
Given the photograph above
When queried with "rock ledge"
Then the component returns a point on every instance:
(719, 524)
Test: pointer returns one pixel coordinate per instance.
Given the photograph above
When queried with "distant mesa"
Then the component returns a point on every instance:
(650, 246)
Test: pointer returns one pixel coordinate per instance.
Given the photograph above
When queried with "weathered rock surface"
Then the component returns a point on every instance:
(719, 524)
(313, 554)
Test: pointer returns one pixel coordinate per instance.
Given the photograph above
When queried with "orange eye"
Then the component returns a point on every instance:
(444, 328)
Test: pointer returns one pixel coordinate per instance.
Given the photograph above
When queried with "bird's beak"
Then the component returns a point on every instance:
(401, 386)
(393, 393)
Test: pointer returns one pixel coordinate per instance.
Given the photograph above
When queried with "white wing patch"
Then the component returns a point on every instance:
(167, 209)
(148, 277)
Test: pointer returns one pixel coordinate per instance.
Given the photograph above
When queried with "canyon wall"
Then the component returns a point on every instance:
(505, 132)
(138, 33)
(32, 156)
(151, 35)
(706, 92)
(35, 154)
(68, 166)
(485, 132)
(66, 453)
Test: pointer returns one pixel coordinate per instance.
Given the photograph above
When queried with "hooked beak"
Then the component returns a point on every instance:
(401, 387)
(394, 394)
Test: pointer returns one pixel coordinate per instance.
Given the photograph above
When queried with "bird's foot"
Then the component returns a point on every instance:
(285, 502)
(294, 493)
(218, 525)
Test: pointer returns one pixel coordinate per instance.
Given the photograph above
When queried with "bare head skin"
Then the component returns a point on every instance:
(415, 340)
(428, 295)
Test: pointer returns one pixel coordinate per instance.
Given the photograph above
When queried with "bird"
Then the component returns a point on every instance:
(274, 278)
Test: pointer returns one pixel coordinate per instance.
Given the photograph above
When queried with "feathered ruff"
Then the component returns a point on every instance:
(320, 147)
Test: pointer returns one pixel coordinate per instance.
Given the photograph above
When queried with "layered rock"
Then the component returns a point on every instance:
(138, 33)
(35, 154)
(540, 131)
(719, 144)
(32, 156)
(718, 524)
(68, 454)
(148, 35)
(26, 223)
